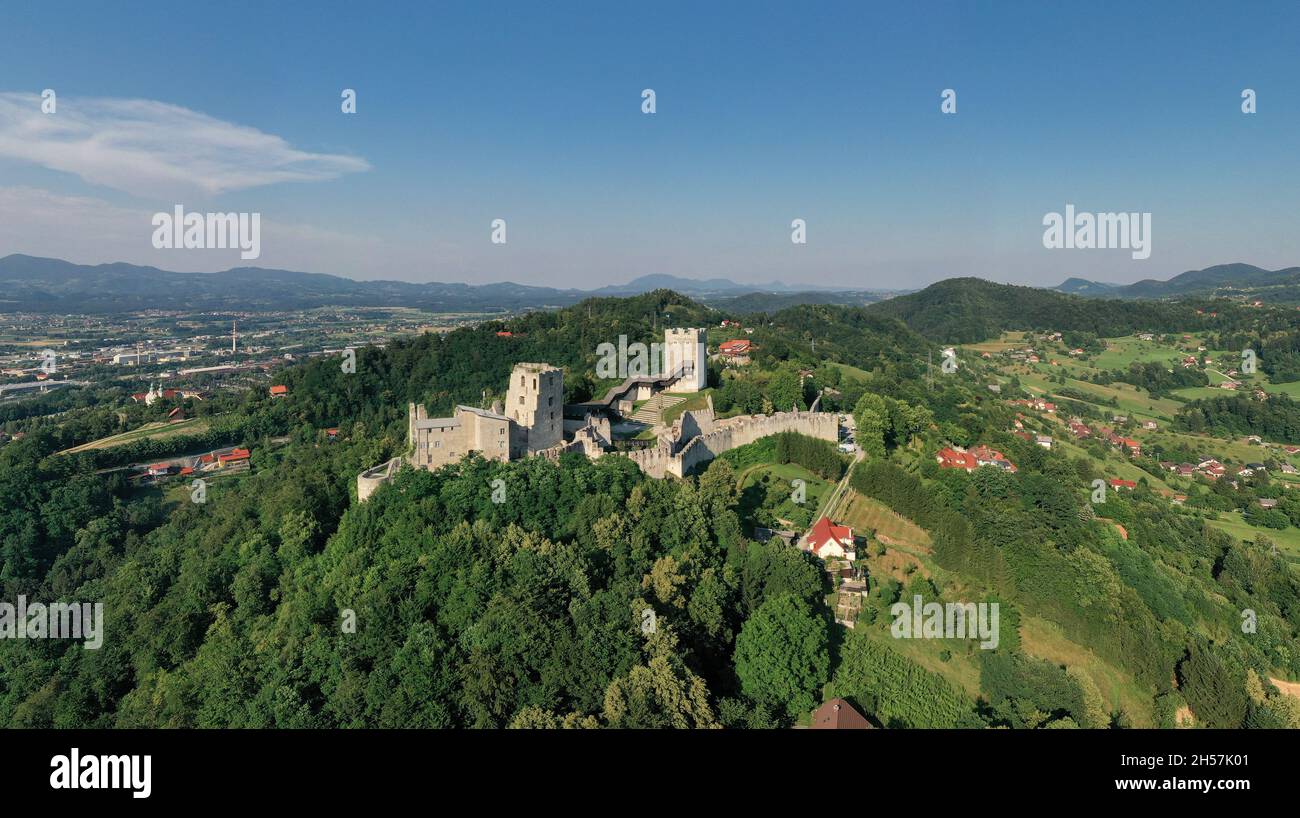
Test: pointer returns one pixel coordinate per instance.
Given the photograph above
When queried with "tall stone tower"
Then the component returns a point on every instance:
(535, 402)
(685, 348)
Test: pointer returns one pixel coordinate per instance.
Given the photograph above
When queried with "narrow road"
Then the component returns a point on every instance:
(838, 493)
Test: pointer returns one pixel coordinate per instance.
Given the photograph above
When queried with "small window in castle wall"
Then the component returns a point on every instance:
(521, 400)
(437, 444)
(534, 383)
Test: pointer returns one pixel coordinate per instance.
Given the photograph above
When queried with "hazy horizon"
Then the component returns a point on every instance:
(620, 282)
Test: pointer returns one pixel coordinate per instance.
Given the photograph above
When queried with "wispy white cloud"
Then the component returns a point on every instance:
(150, 148)
(88, 230)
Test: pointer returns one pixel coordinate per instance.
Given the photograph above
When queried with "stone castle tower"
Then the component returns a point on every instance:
(685, 348)
(535, 402)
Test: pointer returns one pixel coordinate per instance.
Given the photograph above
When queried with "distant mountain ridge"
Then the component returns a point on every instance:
(966, 310)
(1211, 280)
(34, 284)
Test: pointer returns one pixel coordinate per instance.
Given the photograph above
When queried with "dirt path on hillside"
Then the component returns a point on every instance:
(1289, 688)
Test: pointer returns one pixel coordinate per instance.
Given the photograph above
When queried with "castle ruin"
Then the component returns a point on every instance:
(532, 423)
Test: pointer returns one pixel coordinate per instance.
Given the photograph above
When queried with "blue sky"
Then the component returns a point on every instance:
(766, 112)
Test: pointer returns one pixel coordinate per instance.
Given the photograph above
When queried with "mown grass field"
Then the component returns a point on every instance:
(1129, 399)
(694, 401)
(1120, 352)
(1238, 450)
(1287, 540)
(1044, 639)
(1115, 463)
(864, 513)
(782, 476)
(854, 372)
(159, 430)
(1008, 340)
(961, 663)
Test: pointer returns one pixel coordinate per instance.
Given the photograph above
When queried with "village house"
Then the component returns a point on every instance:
(1035, 403)
(827, 540)
(1119, 485)
(736, 348)
(956, 459)
(1212, 469)
(986, 456)
(235, 460)
(838, 714)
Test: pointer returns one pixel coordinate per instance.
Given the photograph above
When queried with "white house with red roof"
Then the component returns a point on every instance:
(735, 347)
(828, 540)
(949, 458)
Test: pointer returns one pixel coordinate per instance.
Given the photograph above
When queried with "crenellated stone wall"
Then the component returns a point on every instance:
(677, 458)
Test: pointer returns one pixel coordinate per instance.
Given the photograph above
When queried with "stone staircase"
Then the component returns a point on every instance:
(652, 410)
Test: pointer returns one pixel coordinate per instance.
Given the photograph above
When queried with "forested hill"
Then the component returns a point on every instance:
(967, 310)
(595, 596)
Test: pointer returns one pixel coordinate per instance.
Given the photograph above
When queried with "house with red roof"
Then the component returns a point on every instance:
(235, 458)
(985, 456)
(830, 540)
(736, 348)
(838, 714)
(279, 390)
(1117, 484)
(956, 459)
